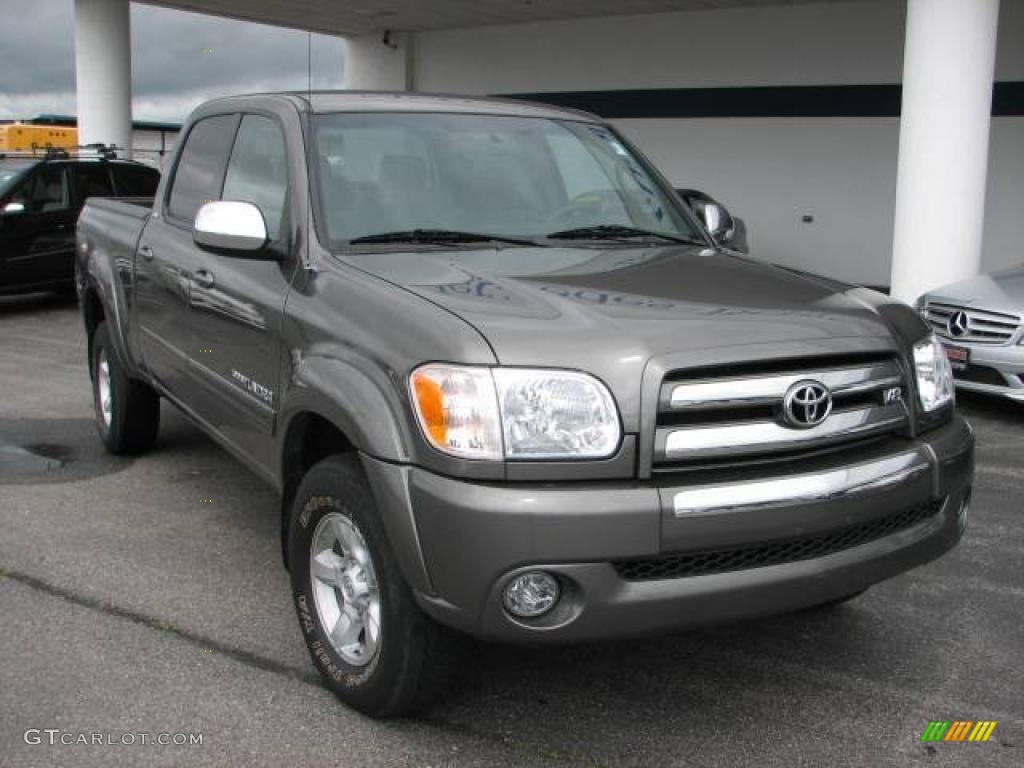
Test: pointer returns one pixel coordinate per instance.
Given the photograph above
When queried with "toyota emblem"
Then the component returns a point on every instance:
(958, 323)
(806, 404)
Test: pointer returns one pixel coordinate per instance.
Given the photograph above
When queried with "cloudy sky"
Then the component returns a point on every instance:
(170, 71)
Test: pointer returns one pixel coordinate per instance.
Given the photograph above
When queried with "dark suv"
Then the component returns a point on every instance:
(40, 199)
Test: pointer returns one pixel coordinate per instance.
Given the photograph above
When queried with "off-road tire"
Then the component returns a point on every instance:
(416, 659)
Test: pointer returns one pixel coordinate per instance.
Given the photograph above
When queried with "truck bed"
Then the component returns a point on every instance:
(109, 229)
(138, 207)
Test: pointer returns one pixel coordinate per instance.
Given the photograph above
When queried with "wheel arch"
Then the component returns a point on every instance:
(311, 436)
(102, 300)
(93, 314)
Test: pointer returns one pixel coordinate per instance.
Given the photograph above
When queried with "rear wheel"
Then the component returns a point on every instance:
(127, 410)
(374, 647)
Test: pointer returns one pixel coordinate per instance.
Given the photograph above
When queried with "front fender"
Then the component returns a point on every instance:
(359, 399)
(362, 401)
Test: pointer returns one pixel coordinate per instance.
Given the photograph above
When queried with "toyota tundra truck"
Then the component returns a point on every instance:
(507, 385)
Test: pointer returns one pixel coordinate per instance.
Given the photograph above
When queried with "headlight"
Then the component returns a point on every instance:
(555, 415)
(934, 374)
(515, 413)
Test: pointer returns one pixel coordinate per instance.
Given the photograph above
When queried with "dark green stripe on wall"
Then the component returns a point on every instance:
(758, 101)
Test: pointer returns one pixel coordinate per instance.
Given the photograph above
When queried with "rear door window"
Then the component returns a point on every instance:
(91, 180)
(200, 170)
(135, 180)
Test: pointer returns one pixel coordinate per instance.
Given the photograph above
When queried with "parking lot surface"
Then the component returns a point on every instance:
(147, 596)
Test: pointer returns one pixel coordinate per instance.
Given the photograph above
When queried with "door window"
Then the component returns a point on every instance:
(200, 171)
(135, 180)
(258, 172)
(92, 180)
(46, 191)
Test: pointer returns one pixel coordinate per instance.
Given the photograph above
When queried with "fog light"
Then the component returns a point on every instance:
(531, 594)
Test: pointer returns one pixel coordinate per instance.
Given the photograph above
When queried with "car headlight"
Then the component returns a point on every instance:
(934, 374)
(515, 413)
(555, 414)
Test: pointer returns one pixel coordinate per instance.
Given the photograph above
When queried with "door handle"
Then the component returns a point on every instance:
(203, 278)
(146, 252)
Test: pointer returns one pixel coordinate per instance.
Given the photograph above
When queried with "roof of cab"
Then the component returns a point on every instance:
(320, 102)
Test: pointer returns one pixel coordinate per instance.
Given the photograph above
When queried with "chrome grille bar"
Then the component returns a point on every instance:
(729, 417)
(767, 390)
(753, 437)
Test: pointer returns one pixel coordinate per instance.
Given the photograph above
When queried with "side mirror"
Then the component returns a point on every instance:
(12, 209)
(717, 221)
(230, 226)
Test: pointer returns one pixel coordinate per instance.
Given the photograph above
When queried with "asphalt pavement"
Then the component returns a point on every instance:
(146, 596)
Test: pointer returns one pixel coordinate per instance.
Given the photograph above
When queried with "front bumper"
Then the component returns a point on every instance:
(469, 539)
(993, 370)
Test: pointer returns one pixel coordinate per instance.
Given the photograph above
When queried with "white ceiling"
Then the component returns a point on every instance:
(354, 17)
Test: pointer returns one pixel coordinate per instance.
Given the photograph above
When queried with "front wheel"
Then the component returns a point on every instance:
(371, 643)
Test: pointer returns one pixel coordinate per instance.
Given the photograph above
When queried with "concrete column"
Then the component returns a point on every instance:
(948, 65)
(103, 72)
(379, 62)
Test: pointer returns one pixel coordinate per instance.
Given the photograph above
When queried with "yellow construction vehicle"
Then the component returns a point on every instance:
(24, 137)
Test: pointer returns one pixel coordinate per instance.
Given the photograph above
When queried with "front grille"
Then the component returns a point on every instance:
(983, 326)
(981, 374)
(709, 561)
(714, 415)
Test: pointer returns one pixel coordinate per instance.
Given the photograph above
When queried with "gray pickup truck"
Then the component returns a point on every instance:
(507, 386)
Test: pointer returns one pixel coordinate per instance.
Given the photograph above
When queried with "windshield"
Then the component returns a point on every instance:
(10, 172)
(418, 176)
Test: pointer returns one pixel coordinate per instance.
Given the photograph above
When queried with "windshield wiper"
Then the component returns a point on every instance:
(438, 236)
(617, 232)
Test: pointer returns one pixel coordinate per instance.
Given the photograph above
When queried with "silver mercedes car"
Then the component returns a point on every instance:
(981, 325)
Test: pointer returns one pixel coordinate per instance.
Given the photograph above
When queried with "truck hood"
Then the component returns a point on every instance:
(610, 311)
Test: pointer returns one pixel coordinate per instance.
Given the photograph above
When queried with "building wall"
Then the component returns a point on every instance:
(772, 171)
(147, 143)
